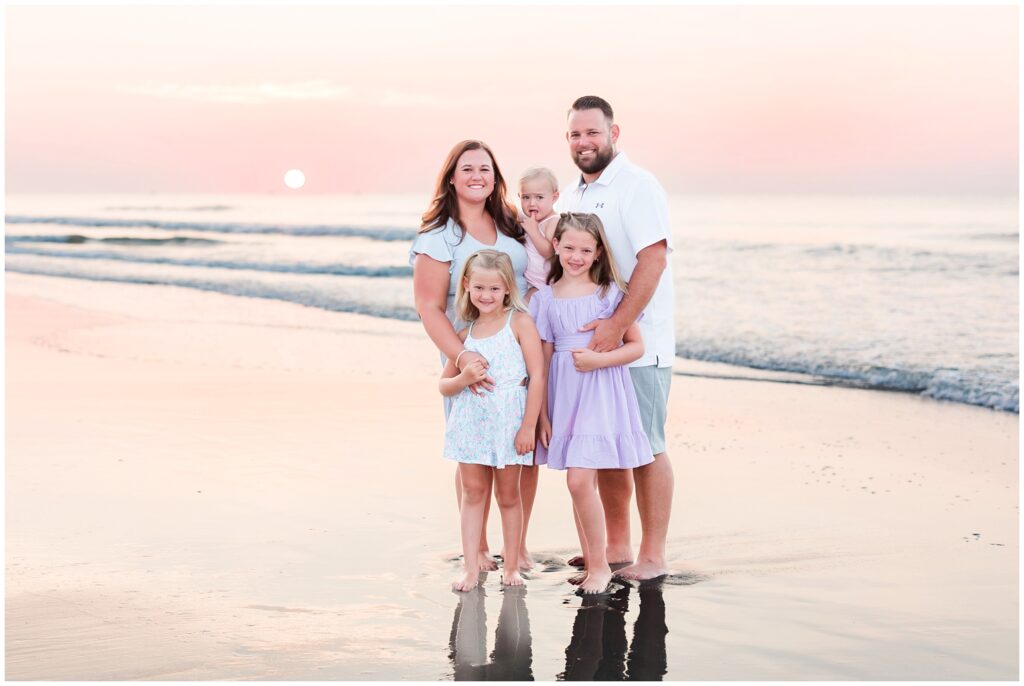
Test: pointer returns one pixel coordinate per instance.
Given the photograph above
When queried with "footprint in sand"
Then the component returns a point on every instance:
(685, 578)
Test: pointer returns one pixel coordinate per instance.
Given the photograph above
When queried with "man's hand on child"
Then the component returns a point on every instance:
(607, 334)
(585, 359)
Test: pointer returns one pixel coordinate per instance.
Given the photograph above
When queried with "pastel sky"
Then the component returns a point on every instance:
(369, 99)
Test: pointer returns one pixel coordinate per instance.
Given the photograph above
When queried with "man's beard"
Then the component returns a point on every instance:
(601, 159)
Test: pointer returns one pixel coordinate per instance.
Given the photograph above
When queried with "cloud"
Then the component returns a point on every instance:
(321, 89)
(247, 94)
(391, 98)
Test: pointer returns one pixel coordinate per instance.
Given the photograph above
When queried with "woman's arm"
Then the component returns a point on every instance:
(452, 380)
(631, 350)
(430, 281)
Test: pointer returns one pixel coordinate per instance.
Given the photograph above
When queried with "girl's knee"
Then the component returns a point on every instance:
(580, 483)
(473, 494)
(507, 497)
(506, 492)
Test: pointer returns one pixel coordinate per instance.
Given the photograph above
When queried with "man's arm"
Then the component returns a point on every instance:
(650, 263)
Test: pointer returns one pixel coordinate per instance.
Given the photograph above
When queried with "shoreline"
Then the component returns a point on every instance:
(682, 366)
(203, 486)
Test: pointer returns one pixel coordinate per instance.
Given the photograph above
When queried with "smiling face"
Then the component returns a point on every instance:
(591, 140)
(537, 198)
(577, 251)
(473, 177)
(487, 290)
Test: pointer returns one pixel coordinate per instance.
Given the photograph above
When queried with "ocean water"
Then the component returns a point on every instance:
(905, 293)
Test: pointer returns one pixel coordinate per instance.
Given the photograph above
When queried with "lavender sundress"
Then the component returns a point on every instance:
(595, 418)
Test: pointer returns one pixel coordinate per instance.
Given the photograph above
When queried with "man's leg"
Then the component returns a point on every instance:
(654, 481)
(654, 485)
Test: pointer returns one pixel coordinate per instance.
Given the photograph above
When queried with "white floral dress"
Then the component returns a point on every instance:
(482, 428)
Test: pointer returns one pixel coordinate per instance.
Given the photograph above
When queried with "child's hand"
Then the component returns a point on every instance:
(475, 372)
(585, 359)
(544, 431)
(525, 440)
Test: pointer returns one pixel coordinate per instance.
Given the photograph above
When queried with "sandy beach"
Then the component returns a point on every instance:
(202, 486)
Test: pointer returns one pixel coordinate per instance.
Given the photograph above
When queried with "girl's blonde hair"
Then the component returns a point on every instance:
(603, 271)
(491, 260)
(539, 173)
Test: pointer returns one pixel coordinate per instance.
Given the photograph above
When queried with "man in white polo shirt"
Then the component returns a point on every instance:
(634, 210)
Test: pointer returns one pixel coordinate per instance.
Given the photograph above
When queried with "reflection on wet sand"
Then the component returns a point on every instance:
(512, 657)
(597, 650)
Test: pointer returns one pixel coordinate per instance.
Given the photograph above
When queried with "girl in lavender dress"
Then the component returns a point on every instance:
(591, 419)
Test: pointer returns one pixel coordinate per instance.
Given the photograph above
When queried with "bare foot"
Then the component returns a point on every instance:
(597, 581)
(512, 578)
(577, 579)
(468, 582)
(487, 563)
(642, 571)
(620, 557)
(525, 561)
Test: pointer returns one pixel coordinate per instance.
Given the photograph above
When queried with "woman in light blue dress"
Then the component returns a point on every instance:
(469, 212)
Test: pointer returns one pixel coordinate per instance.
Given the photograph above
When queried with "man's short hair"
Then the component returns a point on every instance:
(593, 102)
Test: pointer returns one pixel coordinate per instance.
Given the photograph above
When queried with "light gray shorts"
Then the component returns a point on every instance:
(652, 384)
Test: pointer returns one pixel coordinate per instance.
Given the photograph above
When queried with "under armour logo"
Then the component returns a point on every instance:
(598, 205)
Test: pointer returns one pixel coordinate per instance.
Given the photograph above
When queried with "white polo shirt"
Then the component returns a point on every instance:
(634, 210)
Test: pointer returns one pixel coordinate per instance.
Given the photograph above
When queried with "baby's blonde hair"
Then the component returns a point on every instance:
(539, 173)
(491, 260)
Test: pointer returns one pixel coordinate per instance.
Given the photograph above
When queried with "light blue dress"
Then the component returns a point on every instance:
(482, 428)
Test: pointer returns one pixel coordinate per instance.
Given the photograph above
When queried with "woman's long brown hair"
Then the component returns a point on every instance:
(445, 204)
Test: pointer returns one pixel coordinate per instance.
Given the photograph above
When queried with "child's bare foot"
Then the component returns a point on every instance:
(577, 579)
(487, 563)
(525, 561)
(597, 581)
(512, 578)
(468, 582)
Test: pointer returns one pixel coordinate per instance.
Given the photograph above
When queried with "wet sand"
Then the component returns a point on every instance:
(208, 487)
